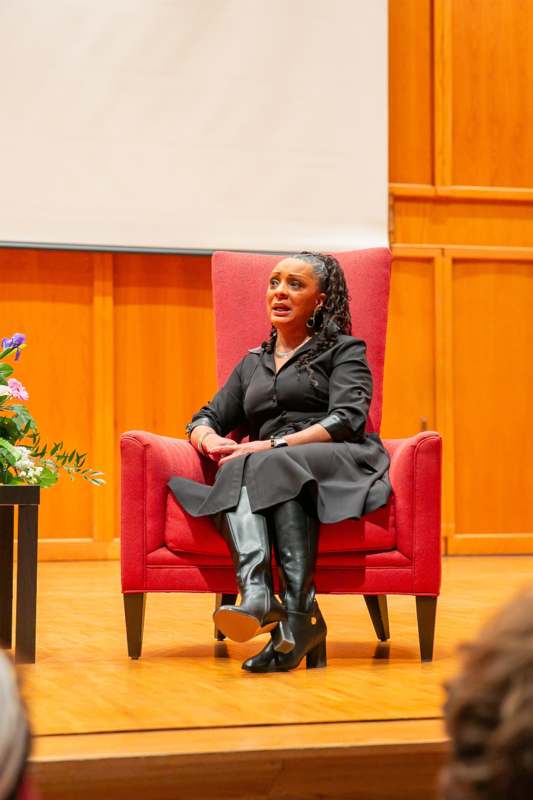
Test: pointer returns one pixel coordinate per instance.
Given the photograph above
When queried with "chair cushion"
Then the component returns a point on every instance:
(376, 532)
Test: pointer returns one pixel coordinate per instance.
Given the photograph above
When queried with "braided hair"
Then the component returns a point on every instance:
(332, 319)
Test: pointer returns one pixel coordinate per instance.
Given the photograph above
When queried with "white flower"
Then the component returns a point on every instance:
(25, 465)
(5, 391)
(23, 455)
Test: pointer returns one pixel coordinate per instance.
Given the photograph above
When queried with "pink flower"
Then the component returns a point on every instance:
(17, 389)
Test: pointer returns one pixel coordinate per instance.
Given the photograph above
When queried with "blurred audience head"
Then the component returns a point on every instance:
(489, 711)
(14, 733)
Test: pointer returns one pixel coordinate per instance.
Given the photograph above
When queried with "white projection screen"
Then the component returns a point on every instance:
(194, 124)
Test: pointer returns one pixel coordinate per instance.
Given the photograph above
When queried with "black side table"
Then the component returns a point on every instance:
(27, 499)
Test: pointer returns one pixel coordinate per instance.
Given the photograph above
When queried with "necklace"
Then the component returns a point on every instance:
(285, 353)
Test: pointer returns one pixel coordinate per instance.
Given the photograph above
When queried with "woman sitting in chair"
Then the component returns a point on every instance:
(304, 396)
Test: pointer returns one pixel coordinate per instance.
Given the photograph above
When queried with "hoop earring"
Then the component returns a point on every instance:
(312, 323)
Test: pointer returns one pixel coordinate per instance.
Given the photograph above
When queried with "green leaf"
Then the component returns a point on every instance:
(23, 418)
(47, 478)
(6, 370)
(10, 430)
(95, 481)
(8, 452)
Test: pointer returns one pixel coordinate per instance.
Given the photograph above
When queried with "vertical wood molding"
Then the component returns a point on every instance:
(442, 91)
(476, 207)
(103, 455)
(444, 405)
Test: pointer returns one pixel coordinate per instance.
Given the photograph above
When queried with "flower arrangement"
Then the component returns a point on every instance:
(23, 457)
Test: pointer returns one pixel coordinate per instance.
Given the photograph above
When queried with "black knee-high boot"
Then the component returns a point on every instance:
(246, 535)
(297, 547)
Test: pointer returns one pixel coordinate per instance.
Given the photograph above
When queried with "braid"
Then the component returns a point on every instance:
(334, 317)
(270, 343)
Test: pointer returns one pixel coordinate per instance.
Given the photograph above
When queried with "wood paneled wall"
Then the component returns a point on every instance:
(115, 342)
(122, 341)
(461, 171)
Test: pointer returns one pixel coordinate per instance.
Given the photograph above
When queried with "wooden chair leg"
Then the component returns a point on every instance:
(426, 610)
(379, 614)
(134, 605)
(223, 600)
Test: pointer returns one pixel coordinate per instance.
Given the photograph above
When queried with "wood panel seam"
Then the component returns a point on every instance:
(103, 395)
(444, 411)
(442, 91)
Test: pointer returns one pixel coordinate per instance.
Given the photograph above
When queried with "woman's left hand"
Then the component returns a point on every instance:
(244, 448)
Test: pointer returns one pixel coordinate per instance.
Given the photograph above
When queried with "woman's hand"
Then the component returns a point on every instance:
(215, 446)
(241, 449)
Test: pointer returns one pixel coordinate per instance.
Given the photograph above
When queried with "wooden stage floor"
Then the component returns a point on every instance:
(187, 699)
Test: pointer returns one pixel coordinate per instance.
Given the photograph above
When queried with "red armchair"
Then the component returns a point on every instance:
(395, 550)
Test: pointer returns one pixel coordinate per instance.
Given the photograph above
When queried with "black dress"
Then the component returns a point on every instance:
(344, 478)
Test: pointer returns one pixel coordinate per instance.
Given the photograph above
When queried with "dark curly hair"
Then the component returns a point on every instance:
(489, 711)
(334, 316)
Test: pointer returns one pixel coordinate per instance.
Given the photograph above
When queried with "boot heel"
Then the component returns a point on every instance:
(317, 657)
(282, 638)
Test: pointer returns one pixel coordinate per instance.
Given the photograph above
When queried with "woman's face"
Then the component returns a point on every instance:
(293, 294)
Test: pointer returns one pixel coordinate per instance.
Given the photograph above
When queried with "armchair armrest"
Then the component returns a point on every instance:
(415, 474)
(147, 463)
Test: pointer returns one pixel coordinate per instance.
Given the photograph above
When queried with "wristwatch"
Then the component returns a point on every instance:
(278, 441)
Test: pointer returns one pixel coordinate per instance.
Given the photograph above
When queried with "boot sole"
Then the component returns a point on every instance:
(239, 626)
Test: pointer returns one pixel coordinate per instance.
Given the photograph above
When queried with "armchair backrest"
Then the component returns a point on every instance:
(239, 287)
